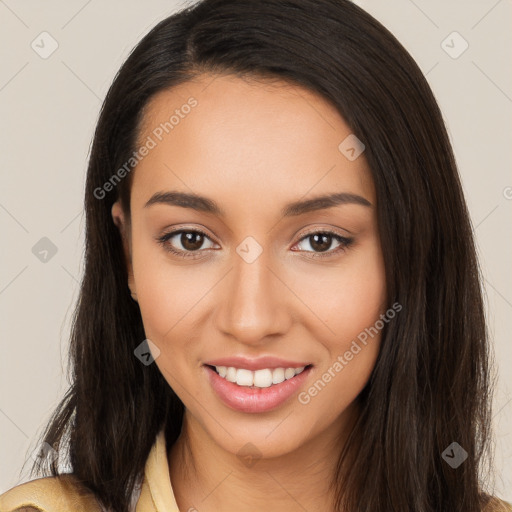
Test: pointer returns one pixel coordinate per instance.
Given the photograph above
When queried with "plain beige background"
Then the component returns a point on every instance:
(49, 107)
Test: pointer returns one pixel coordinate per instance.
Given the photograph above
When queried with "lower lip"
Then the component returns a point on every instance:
(246, 399)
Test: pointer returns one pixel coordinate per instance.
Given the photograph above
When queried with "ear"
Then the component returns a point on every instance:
(122, 223)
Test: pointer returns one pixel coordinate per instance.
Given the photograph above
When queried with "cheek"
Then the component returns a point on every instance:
(166, 289)
(346, 299)
(167, 301)
(350, 303)
(337, 384)
(168, 295)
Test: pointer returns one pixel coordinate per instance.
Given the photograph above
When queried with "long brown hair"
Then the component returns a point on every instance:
(431, 383)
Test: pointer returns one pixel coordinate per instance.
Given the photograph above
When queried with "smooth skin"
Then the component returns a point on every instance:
(253, 147)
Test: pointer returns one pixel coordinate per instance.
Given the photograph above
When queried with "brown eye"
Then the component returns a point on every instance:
(322, 242)
(185, 243)
(191, 240)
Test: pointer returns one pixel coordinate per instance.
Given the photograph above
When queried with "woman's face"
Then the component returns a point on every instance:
(265, 277)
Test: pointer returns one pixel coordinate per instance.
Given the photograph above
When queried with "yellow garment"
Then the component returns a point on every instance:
(48, 494)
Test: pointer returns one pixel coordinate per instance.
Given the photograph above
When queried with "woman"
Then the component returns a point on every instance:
(281, 304)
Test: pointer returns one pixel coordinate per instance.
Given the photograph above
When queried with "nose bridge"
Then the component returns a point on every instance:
(253, 307)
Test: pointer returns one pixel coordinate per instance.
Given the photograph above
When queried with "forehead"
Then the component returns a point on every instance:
(267, 141)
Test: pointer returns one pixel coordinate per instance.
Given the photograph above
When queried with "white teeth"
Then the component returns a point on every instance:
(260, 378)
(278, 376)
(231, 374)
(289, 373)
(244, 377)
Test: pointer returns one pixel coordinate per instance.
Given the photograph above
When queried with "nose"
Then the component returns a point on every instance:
(255, 302)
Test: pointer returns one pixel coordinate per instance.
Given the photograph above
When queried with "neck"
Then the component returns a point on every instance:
(207, 478)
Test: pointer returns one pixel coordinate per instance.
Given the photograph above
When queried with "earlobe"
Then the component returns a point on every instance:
(118, 216)
(119, 219)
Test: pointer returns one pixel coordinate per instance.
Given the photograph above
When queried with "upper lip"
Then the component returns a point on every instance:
(259, 363)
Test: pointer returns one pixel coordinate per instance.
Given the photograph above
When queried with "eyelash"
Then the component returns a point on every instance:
(344, 242)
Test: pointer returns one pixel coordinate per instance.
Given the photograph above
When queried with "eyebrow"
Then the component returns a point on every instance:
(204, 204)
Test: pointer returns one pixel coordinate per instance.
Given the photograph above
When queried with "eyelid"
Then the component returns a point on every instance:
(164, 238)
(180, 229)
(343, 240)
(329, 230)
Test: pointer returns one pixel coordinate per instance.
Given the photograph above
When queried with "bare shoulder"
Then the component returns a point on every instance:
(49, 494)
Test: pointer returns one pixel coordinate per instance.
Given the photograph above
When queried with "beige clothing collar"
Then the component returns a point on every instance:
(156, 494)
(50, 494)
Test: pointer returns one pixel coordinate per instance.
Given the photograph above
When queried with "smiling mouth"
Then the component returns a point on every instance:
(259, 379)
